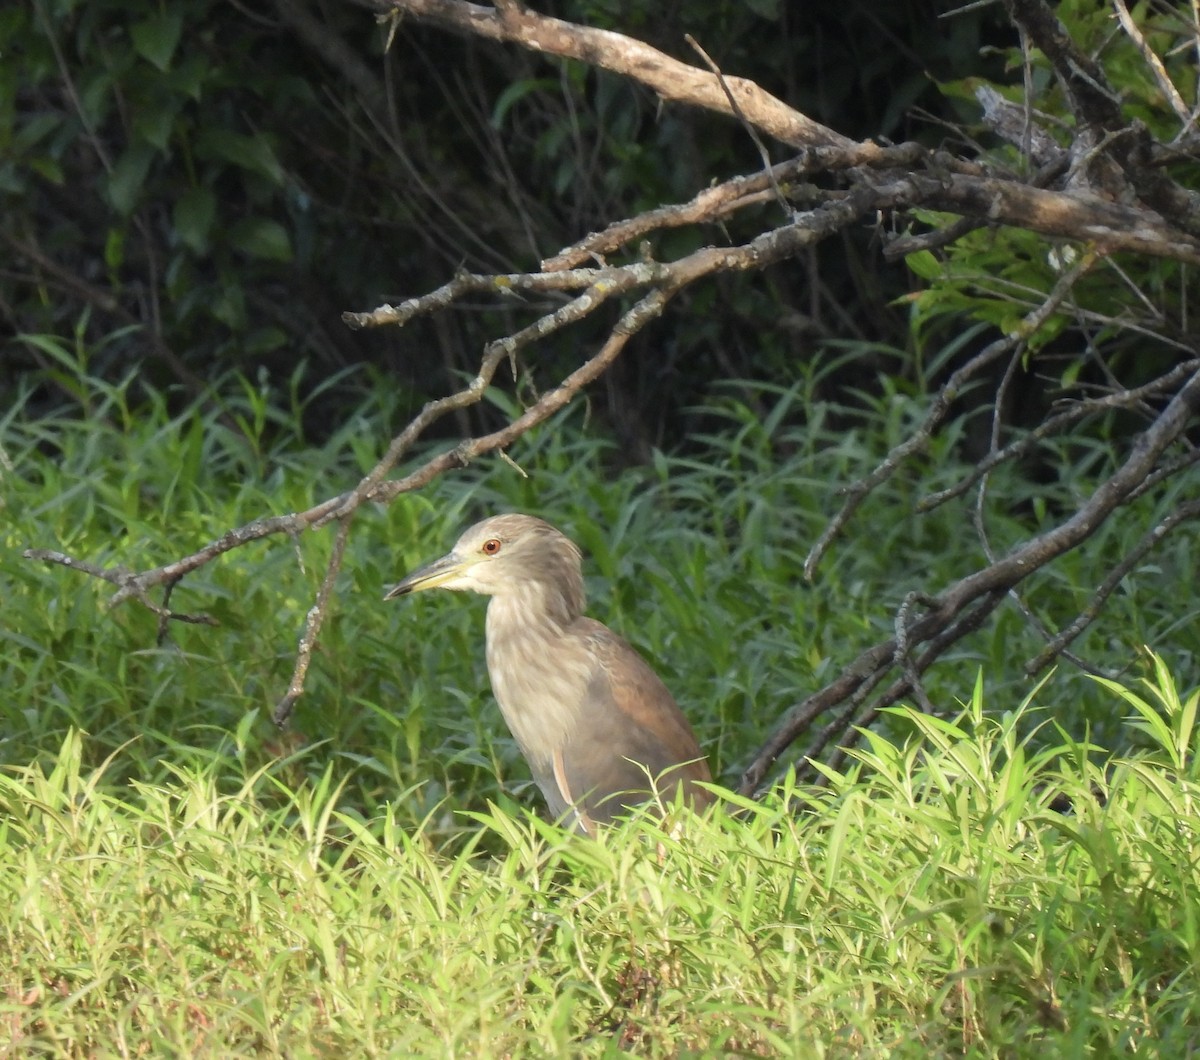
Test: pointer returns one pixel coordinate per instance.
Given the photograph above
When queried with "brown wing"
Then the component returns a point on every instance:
(630, 736)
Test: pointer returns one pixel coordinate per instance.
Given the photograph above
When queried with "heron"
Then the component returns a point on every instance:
(599, 729)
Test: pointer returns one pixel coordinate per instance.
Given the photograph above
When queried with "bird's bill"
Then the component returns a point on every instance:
(440, 572)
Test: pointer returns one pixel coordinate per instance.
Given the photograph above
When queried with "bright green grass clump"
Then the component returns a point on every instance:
(951, 894)
(178, 878)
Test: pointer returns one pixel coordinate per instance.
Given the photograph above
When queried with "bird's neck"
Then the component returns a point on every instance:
(538, 605)
(539, 670)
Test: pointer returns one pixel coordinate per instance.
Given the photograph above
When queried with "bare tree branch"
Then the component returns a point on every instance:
(737, 112)
(671, 79)
(1190, 510)
(1110, 153)
(1165, 85)
(1055, 425)
(946, 396)
(853, 717)
(1082, 216)
(948, 607)
(714, 203)
(312, 625)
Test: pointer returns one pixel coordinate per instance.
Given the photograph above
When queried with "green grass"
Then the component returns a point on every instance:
(179, 878)
(927, 902)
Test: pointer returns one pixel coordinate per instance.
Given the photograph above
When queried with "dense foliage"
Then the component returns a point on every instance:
(201, 188)
(699, 559)
(929, 901)
(176, 877)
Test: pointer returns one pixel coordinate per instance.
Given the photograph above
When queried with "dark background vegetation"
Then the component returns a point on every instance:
(203, 188)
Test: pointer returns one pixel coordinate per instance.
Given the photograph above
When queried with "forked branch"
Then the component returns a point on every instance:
(947, 618)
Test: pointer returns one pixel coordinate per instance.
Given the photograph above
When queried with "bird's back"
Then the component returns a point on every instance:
(630, 742)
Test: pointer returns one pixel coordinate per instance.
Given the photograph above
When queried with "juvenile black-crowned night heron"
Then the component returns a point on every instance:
(599, 729)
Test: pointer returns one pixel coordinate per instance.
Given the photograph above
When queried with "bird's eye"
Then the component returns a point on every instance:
(491, 546)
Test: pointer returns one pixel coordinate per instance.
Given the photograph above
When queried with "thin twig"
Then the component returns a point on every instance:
(946, 396)
(1171, 467)
(853, 726)
(1055, 425)
(1165, 85)
(127, 582)
(901, 246)
(1150, 539)
(312, 624)
(903, 656)
(750, 130)
(979, 512)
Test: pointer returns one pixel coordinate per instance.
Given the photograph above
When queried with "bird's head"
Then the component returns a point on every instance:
(505, 555)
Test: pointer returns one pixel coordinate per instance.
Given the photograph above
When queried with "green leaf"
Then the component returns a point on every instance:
(925, 264)
(47, 168)
(154, 124)
(1148, 721)
(114, 249)
(265, 340)
(515, 93)
(1186, 723)
(189, 77)
(261, 237)
(36, 129)
(194, 213)
(156, 39)
(249, 152)
(229, 307)
(127, 177)
(95, 95)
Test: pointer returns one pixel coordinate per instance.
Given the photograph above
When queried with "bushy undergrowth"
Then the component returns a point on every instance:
(178, 876)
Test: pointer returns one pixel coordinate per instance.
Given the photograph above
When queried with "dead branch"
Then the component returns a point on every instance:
(312, 626)
(948, 617)
(1149, 540)
(1080, 215)
(1056, 424)
(1084, 215)
(1110, 154)
(671, 79)
(715, 203)
(853, 715)
(946, 396)
(1154, 63)
(117, 576)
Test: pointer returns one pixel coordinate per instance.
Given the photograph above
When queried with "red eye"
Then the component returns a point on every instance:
(491, 546)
